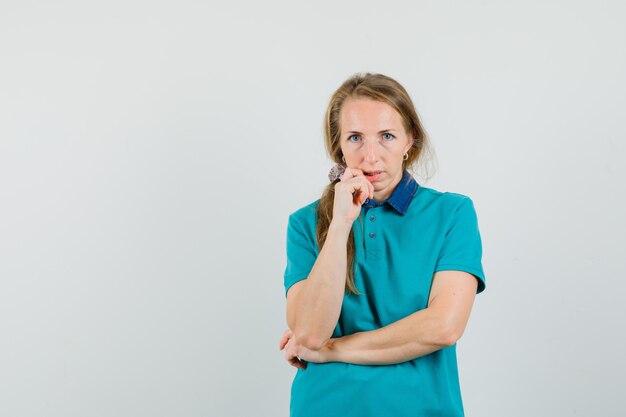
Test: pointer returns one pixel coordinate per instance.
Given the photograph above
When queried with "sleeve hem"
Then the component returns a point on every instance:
(292, 279)
(477, 272)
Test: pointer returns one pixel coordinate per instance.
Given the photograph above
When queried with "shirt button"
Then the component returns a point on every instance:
(372, 235)
(372, 217)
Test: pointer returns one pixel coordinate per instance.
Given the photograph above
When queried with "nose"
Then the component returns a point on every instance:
(372, 152)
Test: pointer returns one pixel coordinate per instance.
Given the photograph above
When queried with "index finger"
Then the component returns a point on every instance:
(351, 173)
(285, 338)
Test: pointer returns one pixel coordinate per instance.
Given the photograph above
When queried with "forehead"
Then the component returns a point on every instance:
(364, 114)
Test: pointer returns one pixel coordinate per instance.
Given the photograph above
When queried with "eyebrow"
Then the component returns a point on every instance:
(382, 131)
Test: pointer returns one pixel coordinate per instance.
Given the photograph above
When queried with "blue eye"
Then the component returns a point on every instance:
(392, 136)
(350, 137)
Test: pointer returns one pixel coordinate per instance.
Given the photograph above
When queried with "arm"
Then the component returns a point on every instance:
(314, 304)
(439, 325)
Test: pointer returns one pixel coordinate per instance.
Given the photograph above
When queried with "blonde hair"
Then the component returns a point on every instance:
(380, 88)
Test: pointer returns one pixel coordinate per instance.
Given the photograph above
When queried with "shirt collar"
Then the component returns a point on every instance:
(401, 195)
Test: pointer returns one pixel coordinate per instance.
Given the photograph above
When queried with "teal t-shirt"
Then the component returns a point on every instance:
(399, 244)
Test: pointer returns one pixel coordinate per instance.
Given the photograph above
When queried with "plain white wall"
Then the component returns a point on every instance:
(151, 151)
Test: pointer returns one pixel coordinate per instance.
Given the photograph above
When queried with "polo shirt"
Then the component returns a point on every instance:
(399, 244)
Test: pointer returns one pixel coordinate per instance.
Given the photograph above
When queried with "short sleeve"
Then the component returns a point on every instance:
(462, 246)
(301, 253)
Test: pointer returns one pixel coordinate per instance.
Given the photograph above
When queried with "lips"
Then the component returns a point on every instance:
(370, 173)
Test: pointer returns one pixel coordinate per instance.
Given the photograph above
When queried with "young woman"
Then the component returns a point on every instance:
(375, 314)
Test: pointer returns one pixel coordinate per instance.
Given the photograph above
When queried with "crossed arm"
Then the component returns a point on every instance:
(439, 325)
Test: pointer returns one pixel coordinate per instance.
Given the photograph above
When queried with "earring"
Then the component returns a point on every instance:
(406, 156)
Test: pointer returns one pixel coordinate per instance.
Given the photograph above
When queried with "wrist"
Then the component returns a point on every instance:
(340, 227)
(329, 352)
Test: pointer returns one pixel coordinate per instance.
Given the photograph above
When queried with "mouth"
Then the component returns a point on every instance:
(372, 173)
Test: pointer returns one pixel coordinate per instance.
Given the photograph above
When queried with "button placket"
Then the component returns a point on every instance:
(370, 235)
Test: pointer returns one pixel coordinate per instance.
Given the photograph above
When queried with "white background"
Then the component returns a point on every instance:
(150, 153)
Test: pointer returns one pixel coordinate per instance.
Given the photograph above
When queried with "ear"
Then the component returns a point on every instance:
(410, 145)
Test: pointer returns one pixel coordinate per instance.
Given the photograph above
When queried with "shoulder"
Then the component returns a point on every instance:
(445, 209)
(305, 215)
(448, 200)
(434, 205)
(302, 224)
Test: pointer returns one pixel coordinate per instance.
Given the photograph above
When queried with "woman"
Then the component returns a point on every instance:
(374, 316)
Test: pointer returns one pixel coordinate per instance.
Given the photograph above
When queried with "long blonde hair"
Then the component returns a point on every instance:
(380, 88)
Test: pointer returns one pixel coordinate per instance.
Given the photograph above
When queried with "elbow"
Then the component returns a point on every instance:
(311, 342)
(449, 335)
(449, 339)
(305, 338)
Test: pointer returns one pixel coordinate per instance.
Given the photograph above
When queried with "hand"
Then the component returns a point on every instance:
(298, 355)
(350, 194)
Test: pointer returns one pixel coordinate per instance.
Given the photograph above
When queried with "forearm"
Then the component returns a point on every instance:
(319, 302)
(413, 336)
